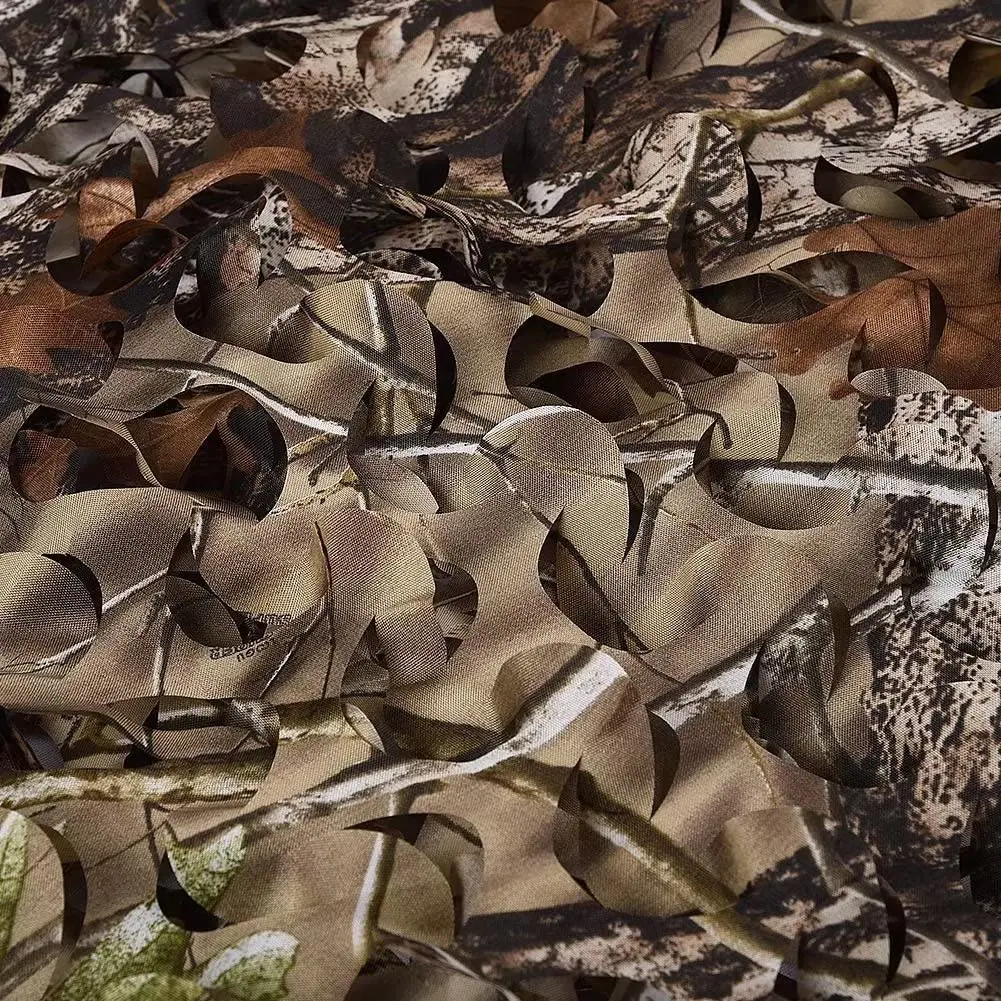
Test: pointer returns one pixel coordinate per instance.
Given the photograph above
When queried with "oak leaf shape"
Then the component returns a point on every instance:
(940, 317)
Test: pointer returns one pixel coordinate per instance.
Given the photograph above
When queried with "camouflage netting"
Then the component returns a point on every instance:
(500, 500)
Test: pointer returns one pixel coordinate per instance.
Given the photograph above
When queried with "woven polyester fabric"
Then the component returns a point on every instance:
(499, 500)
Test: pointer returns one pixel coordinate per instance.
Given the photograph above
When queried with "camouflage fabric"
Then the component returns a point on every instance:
(500, 500)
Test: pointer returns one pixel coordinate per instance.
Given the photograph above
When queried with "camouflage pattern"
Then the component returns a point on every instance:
(501, 500)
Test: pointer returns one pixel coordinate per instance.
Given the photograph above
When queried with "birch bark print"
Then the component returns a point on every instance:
(500, 500)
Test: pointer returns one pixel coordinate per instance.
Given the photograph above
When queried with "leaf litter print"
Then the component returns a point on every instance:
(500, 500)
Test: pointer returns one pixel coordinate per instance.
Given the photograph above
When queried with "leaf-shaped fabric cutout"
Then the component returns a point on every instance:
(170, 444)
(235, 296)
(792, 677)
(800, 289)
(198, 612)
(577, 276)
(143, 941)
(408, 74)
(254, 969)
(56, 453)
(974, 72)
(71, 607)
(205, 873)
(823, 892)
(897, 314)
(215, 440)
(211, 440)
(556, 456)
(126, 253)
(72, 342)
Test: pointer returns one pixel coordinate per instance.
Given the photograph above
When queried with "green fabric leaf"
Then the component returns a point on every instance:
(13, 863)
(145, 941)
(254, 969)
(153, 987)
(206, 872)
